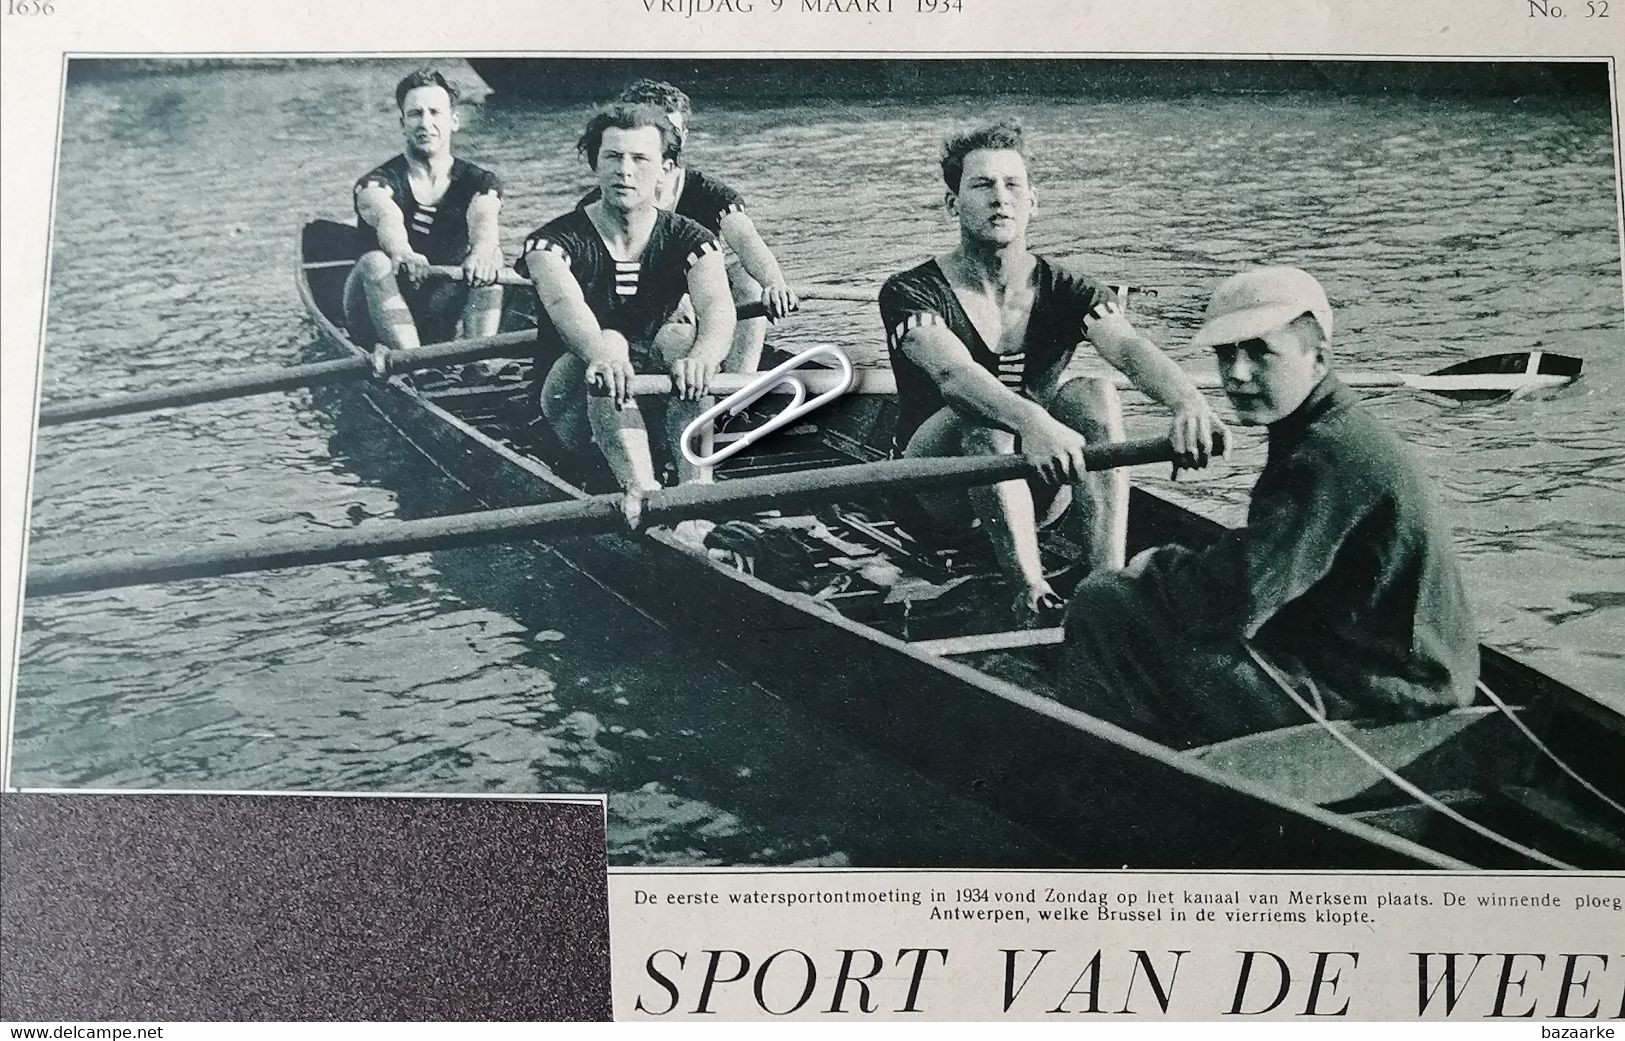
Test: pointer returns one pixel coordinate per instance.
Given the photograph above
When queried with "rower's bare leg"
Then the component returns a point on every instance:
(624, 439)
(482, 311)
(1010, 520)
(1098, 518)
(621, 433)
(674, 340)
(564, 403)
(749, 334)
(1006, 509)
(373, 301)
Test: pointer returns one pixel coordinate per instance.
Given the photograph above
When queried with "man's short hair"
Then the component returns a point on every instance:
(622, 116)
(1003, 135)
(659, 93)
(424, 77)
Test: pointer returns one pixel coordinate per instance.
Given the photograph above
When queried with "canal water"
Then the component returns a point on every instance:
(1443, 229)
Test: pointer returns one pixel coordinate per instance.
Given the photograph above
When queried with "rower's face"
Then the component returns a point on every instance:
(1267, 378)
(428, 120)
(995, 201)
(630, 167)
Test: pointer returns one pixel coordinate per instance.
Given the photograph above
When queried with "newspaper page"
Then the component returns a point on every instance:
(908, 747)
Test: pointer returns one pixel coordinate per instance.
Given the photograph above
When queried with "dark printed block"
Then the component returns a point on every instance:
(289, 907)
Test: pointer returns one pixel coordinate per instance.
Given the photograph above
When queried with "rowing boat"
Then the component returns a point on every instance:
(842, 616)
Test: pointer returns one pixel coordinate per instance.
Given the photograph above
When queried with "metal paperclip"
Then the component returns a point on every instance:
(766, 383)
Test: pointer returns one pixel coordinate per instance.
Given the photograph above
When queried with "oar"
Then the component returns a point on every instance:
(806, 294)
(1492, 376)
(271, 379)
(510, 277)
(1495, 375)
(283, 377)
(857, 295)
(598, 513)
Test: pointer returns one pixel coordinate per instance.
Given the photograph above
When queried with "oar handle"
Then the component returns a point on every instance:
(508, 277)
(861, 295)
(808, 294)
(815, 379)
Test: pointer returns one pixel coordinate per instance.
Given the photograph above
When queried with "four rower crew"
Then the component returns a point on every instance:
(610, 277)
(424, 208)
(1340, 597)
(980, 338)
(1340, 593)
(753, 271)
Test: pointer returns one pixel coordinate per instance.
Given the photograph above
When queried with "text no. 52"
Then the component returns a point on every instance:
(1547, 9)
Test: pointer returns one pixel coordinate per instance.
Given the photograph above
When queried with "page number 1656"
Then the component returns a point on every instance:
(30, 7)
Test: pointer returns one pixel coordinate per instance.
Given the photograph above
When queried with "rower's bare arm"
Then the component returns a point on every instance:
(740, 233)
(375, 205)
(560, 296)
(608, 358)
(483, 265)
(1195, 427)
(968, 388)
(1126, 349)
(713, 308)
(977, 394)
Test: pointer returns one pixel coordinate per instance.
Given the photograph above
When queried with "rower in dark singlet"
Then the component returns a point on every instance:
(754, 274)
(1064, 305)
(979, 338)
(609, 279)
(425, 208)
(632, 297)
(438, 231)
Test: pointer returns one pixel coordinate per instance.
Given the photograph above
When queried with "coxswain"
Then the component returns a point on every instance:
(1339, 598)
(980, 338)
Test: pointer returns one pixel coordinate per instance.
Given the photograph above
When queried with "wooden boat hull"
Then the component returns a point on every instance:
(1097, 795)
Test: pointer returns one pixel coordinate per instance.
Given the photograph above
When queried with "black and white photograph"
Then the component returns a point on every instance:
(909, 462)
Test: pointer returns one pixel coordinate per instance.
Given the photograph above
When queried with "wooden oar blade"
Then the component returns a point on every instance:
(1518, 363)
(1563, 365)
(1493, 377)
